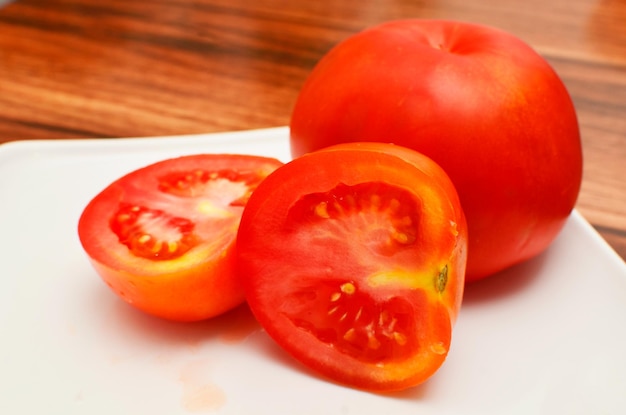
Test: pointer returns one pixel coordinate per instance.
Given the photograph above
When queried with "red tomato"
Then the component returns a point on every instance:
(163, 237)
(478, 101)
(352, 259)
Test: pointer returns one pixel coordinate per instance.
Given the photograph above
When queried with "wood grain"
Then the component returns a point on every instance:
(88, 68)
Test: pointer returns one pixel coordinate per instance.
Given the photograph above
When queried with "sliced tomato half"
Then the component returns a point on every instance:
(163, 237)
(353, 260)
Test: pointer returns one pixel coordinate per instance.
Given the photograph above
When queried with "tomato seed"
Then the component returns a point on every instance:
(172, 246)
(401, 238)
(372, 341)
(399, 338)
(392, 325)
(321, 210)
(339, 208)
(348, 288)
(382, 317)
(438, 348)
(156, 248)
(350, 335)
(358, 314)
(333, 310)
(123, 217)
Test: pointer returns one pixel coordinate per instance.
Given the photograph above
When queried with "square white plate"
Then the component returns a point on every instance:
(546, 337)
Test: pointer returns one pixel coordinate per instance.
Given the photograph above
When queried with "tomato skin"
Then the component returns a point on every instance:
(192, 284)
(479, 102)
(185, 296)
(304, 263)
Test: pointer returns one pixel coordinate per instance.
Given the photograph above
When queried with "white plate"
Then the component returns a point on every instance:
(548, 336)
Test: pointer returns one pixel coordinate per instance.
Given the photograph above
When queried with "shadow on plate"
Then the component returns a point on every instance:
(505, 283)
(234, 326)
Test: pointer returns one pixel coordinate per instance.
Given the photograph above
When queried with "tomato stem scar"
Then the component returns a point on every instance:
(348, 288)
(442, 279)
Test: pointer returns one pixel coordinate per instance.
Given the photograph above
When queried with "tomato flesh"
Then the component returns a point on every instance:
(353, 260)
(162, 237)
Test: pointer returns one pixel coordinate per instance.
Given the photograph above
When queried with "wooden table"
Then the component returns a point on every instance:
(90, 68)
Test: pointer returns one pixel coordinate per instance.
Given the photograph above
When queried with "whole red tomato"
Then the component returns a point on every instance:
(480, 102)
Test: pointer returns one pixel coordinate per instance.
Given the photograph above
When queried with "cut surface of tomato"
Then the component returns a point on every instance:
(352, 259)
(162, 237)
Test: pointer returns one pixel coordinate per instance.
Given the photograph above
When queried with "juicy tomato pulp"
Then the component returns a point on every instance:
(353, 259)
(163, 237)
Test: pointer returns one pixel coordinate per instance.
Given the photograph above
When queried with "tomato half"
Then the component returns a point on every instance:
(480, 102)
(353, 259)
(163, 237)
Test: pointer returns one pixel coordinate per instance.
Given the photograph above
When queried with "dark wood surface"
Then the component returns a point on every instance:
(119, 68)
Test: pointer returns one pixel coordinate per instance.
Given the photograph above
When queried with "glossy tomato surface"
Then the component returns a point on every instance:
(353, 259)
(480, 102)
(162, 237)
